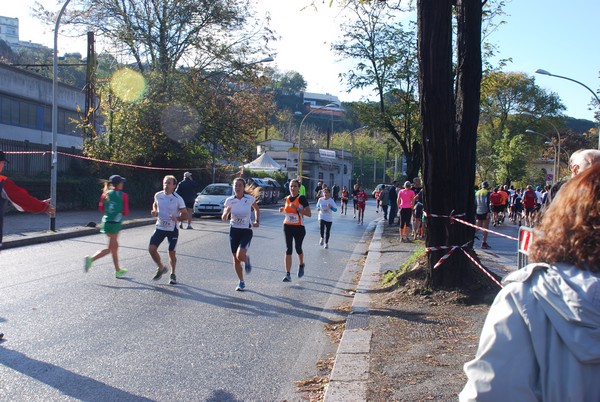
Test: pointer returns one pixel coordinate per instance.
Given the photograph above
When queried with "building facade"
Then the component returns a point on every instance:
(331, 166)
(26, 109)
(9, 31)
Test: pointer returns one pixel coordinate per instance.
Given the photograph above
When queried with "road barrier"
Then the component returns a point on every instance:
(525, 240)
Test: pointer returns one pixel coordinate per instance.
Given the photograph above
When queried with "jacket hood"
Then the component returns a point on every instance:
(570, 298)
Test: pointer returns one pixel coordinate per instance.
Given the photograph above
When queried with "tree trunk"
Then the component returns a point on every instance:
(448, 130)
(468, 89)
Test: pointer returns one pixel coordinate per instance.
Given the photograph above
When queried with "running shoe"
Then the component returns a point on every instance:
(485, 245)
(120, 273)
(1, 335)
(159, 273)
(287, 277)
(181, 226)
(87, 263)
(321, 242)
(189, 227)
(173, 280)
(300, 270)
(240, 287)
(247, 265)
(326, 245)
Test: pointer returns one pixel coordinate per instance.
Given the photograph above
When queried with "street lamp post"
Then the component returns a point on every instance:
(544, 72)
(555, 166)
(220, 83)
(300, 134)
(54, 162)
(350, 134)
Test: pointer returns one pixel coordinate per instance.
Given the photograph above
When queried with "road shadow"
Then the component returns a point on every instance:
(68, 383)
(220, 395)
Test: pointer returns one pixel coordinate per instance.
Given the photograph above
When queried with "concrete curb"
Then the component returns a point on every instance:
(350, 374)
(30, 238)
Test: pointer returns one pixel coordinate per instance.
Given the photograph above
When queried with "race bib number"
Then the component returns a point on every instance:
(239, 221)
(166, 224)
(292, 218)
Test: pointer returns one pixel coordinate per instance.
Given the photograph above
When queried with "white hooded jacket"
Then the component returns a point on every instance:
(540, 340)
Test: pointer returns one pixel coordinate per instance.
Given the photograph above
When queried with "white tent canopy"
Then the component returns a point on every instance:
(263, 163)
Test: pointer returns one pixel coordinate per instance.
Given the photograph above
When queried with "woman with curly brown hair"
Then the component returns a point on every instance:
(541, 338)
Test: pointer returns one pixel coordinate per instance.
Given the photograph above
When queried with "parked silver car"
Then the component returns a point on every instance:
(210, 200)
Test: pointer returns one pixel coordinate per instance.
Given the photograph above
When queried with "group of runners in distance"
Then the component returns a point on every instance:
(518, 205)
(405, 203)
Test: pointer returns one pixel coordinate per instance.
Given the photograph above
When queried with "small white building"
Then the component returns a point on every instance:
(331, 166)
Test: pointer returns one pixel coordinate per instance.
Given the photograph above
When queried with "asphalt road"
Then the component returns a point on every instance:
(76, 336)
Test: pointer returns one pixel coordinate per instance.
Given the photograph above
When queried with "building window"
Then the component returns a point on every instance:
(22, 113)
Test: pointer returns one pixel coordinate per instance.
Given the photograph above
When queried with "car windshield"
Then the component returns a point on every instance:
(217, 190)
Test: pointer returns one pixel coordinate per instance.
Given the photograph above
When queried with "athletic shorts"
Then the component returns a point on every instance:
(360, 205)
(159, 235)
(529, 210)
(189, 204)
(239, 238)
(110, 227)
(497, 208)
(482, 217)
(405, 217)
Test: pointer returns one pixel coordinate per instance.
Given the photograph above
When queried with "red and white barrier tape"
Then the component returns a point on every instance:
(453, 217)
(441, 216)
(99, 160)
(482, 268)
(462, 248)
(448, 254)
(486, 230)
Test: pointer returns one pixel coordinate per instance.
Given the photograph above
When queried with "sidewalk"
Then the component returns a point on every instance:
(22, 229)
(401, 346)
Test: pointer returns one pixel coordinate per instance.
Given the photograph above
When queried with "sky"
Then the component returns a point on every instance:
(555, 35)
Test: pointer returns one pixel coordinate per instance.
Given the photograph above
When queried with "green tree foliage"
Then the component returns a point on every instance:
(160, 35)
(202, 98)
(289, 82)
(511, 158)
(508, 101)
(386, 62)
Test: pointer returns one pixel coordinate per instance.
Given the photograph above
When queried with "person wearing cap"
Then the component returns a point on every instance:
(20, 198)
(115, 204)
(482, 211)
(187, 189)
(169, 208)
(406, 202)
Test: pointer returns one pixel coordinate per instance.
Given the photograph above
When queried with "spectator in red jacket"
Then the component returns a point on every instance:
(20, 198)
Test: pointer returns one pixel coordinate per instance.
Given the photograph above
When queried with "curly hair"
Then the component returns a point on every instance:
(570, 228)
